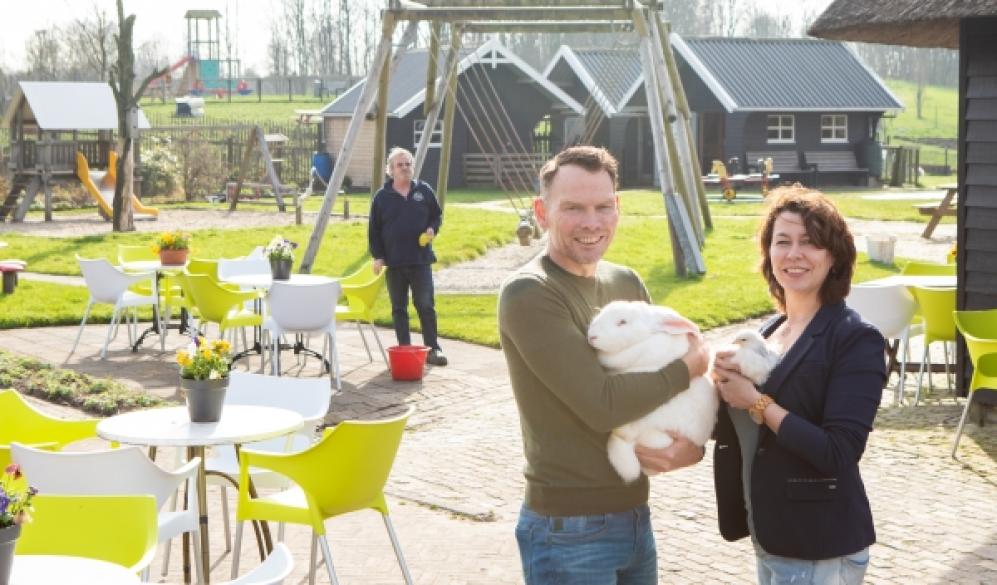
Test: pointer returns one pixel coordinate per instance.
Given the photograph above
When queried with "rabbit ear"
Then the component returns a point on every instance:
(675, 324)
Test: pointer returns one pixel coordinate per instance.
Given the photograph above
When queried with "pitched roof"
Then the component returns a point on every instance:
(810, 75)
(917, 23)
(407, 89)
(58, 105)
(787, 74)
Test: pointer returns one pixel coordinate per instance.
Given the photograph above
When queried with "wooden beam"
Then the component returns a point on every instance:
(428, 104)
(380, 129)
(682, 104)
(685, 252)
(685, 176)
(550, 27)
(450, 71)
(450, 93)
(540, 13)
(247, 155)
(346, 151)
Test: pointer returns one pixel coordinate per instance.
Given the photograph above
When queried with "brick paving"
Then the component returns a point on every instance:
(456, 486)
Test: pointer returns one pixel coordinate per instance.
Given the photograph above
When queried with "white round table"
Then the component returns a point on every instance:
(265, 281)
(171, 427)
(35, 569)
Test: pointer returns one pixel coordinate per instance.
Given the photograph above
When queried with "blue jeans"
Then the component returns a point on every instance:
(846, 570)
(605, 549)
(420, 279)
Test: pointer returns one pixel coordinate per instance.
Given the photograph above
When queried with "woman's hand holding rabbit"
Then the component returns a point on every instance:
(735, 389)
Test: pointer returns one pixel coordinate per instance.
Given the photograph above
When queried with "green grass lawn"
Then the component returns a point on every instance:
(731, 291)
(272, 108)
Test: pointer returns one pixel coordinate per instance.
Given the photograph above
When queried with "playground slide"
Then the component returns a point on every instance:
(101, 188)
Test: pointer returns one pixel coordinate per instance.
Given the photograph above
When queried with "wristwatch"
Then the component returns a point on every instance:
(757, 410)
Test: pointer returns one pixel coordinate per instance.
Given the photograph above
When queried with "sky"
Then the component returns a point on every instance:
(163, 21)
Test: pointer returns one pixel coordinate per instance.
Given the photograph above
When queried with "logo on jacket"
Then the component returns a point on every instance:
(417, 196)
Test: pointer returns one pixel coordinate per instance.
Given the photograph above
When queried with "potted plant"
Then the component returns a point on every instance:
(172, 248)
(15, 509)
(204, 367)
(281, 255)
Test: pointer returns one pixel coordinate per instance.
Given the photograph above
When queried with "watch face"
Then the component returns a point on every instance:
(418, 197)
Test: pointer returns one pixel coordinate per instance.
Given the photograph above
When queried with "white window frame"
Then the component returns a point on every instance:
(837, 124)
(778, 122)
(435, 139)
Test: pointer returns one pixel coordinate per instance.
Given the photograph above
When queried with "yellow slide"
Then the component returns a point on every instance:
(101, 188)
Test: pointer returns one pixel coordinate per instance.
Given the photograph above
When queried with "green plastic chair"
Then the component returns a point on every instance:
(344, 472)
(360, 290)
(116, 529)
(217, 304)
(937, 306)
(22, 423)
(915, 268)
(979, 329)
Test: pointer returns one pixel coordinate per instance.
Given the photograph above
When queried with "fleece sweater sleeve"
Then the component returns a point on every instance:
(557, 355)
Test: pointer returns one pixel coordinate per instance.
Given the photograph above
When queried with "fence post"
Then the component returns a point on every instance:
(288, 89)
(259, 89)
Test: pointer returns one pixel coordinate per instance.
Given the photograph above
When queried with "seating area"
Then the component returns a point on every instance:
(125, 502)
(785, 163)
(835, 162)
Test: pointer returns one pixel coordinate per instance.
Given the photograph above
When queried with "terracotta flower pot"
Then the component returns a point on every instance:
(8, 538)
(173, 257)
(204, 398)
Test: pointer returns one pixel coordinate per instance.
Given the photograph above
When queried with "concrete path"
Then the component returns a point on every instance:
(457, 482)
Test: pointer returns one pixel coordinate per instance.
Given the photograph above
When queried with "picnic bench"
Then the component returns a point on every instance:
(834, 161)
(938, 210)
(784, 162)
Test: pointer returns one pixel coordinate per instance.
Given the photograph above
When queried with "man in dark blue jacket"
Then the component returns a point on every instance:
(404, 218)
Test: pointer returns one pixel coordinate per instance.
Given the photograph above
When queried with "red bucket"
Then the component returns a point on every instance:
(408, 362)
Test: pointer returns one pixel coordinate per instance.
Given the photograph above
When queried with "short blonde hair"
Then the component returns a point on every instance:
(393, 154)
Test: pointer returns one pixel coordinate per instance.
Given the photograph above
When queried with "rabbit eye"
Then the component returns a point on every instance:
(621, 322)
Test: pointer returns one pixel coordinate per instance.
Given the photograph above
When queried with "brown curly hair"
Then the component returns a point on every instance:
(825, 227)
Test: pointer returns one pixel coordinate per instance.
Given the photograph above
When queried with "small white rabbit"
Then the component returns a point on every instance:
(633, 336)
(754, 357)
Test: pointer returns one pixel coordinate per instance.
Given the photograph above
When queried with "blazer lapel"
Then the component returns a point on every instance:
(792, 358)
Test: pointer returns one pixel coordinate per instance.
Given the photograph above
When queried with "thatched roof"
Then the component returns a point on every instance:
(916, 23)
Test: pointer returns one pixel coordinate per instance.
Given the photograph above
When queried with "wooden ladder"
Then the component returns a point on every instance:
(30, 186)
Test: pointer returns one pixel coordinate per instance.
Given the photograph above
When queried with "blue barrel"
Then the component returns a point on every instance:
(322, 161)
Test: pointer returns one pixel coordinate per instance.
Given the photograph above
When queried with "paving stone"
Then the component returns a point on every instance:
(457, 483)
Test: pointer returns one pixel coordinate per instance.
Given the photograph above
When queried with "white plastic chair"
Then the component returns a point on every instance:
(277, 567)
(303, 308)
(125, 471)
(890, 309)
(257, 253)
(109, 284)
(309, 397)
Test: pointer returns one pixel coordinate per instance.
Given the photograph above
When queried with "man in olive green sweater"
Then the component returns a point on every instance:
(580, 523)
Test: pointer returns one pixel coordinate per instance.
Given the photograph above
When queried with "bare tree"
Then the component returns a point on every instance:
(43, 54)
(90, 43)
(122, 84)
(346, 56)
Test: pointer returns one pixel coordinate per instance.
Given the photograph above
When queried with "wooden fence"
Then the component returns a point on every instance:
(292, 157)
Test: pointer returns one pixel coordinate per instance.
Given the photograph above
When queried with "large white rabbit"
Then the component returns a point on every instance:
(632, 336)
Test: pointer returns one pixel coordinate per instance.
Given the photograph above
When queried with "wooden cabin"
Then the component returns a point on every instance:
(816, 112)
(499, 96)
(48, 123)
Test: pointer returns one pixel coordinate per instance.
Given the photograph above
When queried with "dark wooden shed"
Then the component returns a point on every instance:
(749, 97)
(499, 96)
(968, 27)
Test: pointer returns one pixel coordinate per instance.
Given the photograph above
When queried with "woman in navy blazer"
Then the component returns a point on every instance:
(786, 459)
